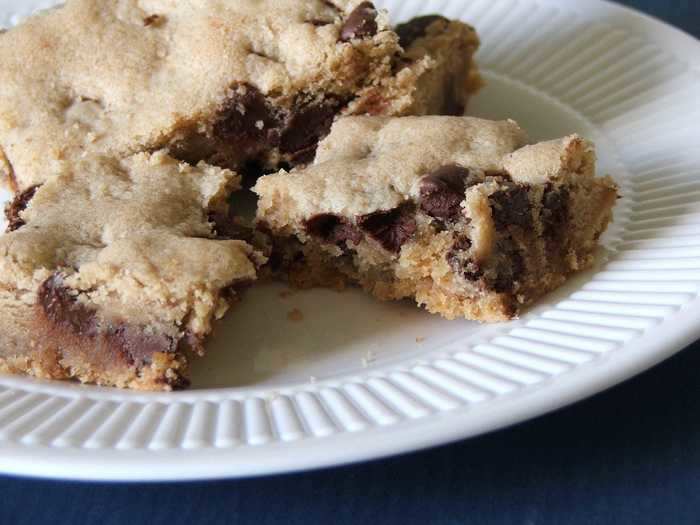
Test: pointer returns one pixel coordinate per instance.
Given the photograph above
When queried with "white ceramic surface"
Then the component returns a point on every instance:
(356, 380)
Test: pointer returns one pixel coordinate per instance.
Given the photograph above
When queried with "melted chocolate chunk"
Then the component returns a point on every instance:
(555, 210)
(226, 228)
(416, 28)
(361, 23)
(62, 308)
(391, 229)
(508, 272)
(442, 191)
(252, 125)
(17, 206)
(138, 345)
(306, 126)
(332, 229)
(511, 207)
(249, 122)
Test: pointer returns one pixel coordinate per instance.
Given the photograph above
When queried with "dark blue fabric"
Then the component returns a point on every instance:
(681, 13)
(628, 456)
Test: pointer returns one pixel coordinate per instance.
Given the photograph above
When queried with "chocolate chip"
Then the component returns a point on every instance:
(361, 23)
(306, 126)
(391, 229)
(416, 28)
(248, 122)
(62, 309)
(555, 209)
(442, 191)
(153, 20)
(460, 261)
(17, 206)
(511, 207)
(332, 229)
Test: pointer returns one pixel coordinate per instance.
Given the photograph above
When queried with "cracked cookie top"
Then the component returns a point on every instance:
(374, 163)
(132, 242)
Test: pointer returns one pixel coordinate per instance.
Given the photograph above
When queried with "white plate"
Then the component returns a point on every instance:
(357, 380)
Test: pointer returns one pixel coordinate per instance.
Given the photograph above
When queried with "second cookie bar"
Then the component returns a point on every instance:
(460, 214)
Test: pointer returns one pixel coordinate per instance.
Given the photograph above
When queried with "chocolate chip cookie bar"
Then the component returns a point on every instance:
(234, 83)
(112, 272)
(460, 214)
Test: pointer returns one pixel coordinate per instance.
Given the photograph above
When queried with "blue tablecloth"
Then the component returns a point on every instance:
(628, 456)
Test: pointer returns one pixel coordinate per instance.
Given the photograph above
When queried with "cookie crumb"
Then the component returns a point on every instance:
(296, 316)
(284, 294)
(420, 340)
